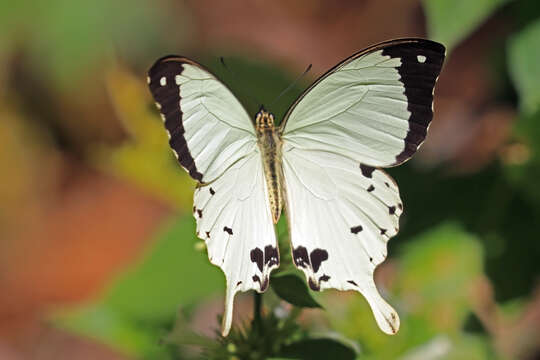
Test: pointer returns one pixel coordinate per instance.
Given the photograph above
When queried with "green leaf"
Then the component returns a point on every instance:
(524, 66)
(319, 349)
(291, 288)
(450, 21)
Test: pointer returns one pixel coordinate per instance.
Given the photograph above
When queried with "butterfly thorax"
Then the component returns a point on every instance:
(270, 146)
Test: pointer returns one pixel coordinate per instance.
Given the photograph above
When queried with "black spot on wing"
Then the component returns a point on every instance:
(367, 171)
(212, 191)
(208, 234)
(391, 210)
(316, 285)
(317, 256)
(352, 282)
(356, 229)
(228, 230)
(263, 285)
(199, 212)
(383, 231)
(271, 256)
(256, 256)
(300, 257)
(167, 94)
(371, 188)
(418, 78)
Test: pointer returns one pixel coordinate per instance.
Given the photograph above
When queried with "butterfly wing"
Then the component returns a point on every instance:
(207, 126)
(233, 217)
(371, 110)
(214, 140)
(374, 107)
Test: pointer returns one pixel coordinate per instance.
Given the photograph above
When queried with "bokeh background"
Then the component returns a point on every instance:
(98, 257)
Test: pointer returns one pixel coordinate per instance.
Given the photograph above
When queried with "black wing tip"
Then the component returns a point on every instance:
(421, 42)
(167, 58)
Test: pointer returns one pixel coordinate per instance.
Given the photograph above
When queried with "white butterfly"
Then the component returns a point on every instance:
(321, 165)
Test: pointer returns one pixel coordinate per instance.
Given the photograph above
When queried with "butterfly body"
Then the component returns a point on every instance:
(270, 145)
(322, 164)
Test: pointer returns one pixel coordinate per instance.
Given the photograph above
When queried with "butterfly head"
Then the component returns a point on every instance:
(264, 119)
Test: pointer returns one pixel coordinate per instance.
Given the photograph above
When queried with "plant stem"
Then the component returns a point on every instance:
(257, 306)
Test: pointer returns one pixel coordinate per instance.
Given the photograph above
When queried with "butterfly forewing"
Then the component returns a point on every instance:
(214, 140)
(372, 110)
(208, 127)
(374, 107)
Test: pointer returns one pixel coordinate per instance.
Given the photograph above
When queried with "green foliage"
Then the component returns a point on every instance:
(138, 308)
(84, 35)
(449, 22)
(319, 349)
(524, 66)
(293, 289)
(266, 337)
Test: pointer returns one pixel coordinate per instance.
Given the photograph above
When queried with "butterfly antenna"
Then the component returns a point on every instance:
(233, 75)
(291, 85)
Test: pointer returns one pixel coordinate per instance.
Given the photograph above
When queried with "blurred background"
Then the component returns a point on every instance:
(98, 257)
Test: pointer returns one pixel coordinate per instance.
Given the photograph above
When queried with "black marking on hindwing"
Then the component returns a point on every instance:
(264, 261)
(367, 171)
(356, 229)
(313, 262)
(418, 78)
(167, 94)
(256, 256)
(228, 230)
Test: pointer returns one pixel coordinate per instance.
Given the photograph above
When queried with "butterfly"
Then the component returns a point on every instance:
(321, 166)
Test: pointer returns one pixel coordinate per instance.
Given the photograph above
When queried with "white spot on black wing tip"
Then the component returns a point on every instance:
(163, 81)
(421, 58)
(148, 80)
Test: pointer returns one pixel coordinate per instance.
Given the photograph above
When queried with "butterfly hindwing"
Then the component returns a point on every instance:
(214, 140)
(233, 217)
(208, 127)
(374, 107)
(372, 110)
(341, 216)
